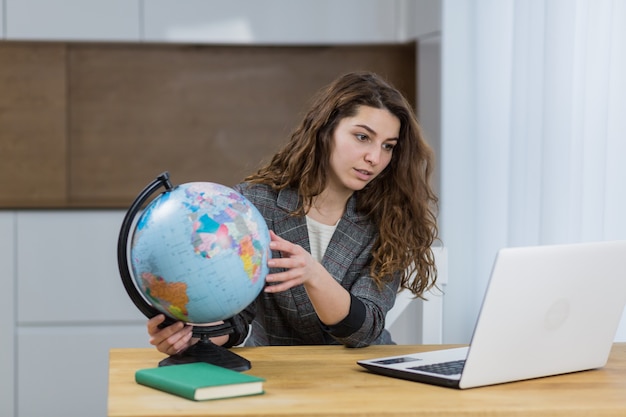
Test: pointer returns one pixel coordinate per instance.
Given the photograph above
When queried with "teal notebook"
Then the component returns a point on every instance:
(200, 381)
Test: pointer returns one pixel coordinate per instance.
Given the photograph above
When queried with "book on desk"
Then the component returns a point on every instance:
(200, 381)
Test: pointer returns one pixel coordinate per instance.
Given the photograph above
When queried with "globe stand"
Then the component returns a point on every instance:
(206, 351)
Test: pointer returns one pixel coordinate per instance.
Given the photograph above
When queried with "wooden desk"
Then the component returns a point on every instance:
(325, 381)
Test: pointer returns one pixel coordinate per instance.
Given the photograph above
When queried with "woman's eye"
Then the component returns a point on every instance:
(361, 137)
(388, 146)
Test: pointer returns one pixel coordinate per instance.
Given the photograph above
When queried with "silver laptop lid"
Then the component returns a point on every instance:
(548, 310)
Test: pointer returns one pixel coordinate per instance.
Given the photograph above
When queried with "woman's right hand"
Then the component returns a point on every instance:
(172, 339)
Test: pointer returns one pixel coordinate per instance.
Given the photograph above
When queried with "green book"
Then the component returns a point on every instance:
(200, 381)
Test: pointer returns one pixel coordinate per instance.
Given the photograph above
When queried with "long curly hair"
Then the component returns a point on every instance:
(399, 201)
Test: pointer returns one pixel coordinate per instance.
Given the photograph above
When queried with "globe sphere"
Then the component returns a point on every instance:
(199, 252)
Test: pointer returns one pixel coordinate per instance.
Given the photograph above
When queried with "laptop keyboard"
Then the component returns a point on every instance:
(443, 368)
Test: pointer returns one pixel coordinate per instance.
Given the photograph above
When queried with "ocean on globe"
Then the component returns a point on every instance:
(199, 252)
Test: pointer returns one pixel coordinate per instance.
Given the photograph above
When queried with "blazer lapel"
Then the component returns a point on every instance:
(293, 229)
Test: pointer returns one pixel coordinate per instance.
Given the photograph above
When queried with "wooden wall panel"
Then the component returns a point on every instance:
(89, 125)
(203, 113)
(33, 146)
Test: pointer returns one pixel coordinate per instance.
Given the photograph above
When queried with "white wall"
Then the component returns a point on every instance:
(461, 307)
(429, 96)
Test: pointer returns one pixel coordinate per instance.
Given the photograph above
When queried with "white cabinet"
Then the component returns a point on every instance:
(67, 263)
(268, 22)
(421, 17)
(64, 370)
(73, 20)
(63, 306)
(7, 309)
(275, 22)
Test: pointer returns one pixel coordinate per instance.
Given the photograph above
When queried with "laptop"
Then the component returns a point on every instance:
(548, 310)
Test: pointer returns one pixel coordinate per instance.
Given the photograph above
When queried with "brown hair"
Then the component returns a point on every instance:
(399, 201)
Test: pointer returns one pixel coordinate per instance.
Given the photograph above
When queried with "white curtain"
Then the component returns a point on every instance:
(533, 134)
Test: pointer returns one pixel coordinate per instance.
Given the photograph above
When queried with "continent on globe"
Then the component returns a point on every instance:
(172, 296)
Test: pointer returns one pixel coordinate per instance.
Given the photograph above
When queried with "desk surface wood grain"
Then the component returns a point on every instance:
(326, 381)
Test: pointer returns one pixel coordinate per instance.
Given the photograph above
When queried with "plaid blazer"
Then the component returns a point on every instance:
(288, 318)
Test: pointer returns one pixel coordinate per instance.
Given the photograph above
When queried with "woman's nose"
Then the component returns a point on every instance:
(373, 156)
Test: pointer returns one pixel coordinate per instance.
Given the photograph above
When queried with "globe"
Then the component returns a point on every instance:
(199, 252)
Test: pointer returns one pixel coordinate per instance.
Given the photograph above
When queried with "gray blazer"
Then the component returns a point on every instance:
(288, 318)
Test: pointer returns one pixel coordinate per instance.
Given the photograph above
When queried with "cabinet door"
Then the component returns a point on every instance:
(81, 20)
(67, 268)
(33, 124)
(63, 371)
(7, 309)
(276, 22)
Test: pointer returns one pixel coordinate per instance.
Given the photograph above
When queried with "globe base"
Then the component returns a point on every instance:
(211, 353)
(206, 351)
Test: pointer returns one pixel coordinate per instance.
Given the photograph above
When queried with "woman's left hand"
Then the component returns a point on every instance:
(299, 264)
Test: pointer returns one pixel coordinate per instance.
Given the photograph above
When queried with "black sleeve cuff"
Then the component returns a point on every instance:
(352, 322)
(239, 332)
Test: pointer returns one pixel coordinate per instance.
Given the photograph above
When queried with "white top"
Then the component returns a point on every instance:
(319, 237)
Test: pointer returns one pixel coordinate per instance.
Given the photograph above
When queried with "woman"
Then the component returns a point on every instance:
(352, 219)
